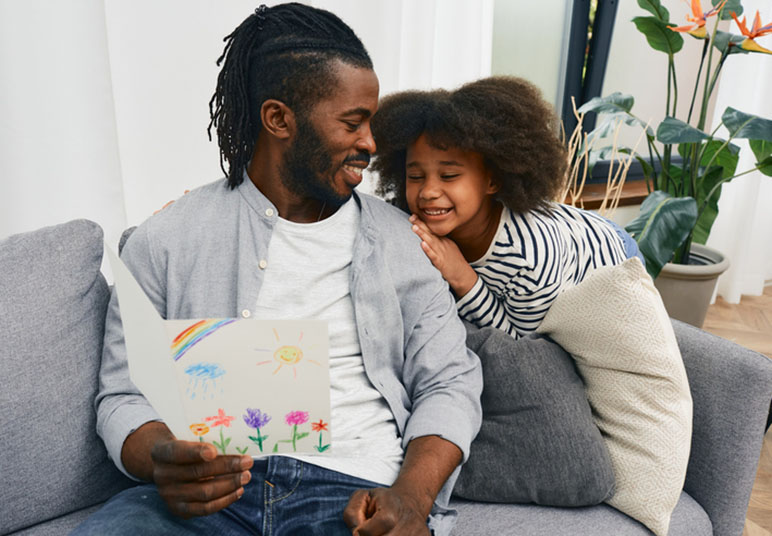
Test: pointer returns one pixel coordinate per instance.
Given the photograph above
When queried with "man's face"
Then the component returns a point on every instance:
(333, 142)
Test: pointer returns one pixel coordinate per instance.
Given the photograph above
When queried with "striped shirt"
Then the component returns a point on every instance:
(534, 257)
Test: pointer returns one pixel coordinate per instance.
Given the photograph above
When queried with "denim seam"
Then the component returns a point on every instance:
(290, 492)
(268, 503)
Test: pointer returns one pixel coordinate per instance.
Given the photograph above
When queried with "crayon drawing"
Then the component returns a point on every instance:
(203, 380)
(195, 333)
(294, 419)
(207, 376)
(288, 355)
(223, 421)
(320, 427)
(254, 418)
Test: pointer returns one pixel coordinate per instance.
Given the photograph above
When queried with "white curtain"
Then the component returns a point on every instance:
(104, 103)
(743, 228)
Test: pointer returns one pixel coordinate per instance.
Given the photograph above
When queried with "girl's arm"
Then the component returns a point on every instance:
(517, 311)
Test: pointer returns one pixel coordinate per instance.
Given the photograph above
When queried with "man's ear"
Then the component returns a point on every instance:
(278, 119)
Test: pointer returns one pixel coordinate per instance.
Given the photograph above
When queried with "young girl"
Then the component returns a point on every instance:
(479, 168)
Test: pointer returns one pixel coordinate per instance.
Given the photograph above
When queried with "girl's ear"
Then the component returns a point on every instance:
(493, 185)
(278, 119)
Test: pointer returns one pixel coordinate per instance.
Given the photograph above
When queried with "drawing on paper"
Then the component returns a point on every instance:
(254, 418)
(320, 427)
(287, 355)
(192, 335)
(223, 421)
(203, 380)
(199, 429)
(294, 419)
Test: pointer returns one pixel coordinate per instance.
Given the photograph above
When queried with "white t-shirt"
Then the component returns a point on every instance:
(316, 257)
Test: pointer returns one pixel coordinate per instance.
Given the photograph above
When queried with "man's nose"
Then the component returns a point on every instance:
(366, 143)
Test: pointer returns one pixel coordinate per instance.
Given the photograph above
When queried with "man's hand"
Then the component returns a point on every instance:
(372, 512)
(446, 257)
(404, 508)
(191, 478)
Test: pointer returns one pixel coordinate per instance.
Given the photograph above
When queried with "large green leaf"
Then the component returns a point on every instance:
(656, 9)
(608, 123)
(658, 35)
(663, 225)
(616, 102)
(730, 6)
(742, 125)
(672, 130)
(727, 157)
(723, 39)
(708, 216)
(763, 151)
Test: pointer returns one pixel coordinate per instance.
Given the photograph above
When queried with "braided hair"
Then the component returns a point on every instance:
(285, 52)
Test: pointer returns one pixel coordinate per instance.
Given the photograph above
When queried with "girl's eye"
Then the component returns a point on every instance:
(451, 176)
(414, 177)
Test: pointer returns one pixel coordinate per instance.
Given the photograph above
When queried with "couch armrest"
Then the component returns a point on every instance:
(731, 388)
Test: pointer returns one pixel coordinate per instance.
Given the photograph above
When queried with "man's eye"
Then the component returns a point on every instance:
(352, 126)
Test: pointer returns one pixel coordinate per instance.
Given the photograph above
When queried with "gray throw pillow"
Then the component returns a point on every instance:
(538, 443)
(53, 300)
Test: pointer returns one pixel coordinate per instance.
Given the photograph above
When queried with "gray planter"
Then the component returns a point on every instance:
(686, 289)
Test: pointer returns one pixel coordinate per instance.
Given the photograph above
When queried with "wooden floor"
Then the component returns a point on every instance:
(750, 324)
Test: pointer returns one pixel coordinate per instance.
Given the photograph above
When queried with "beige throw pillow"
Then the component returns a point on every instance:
(615, 326)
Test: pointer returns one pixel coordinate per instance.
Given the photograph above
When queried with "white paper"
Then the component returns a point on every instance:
(247, 386)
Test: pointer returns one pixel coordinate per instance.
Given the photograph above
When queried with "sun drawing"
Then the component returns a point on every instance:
(287, 355)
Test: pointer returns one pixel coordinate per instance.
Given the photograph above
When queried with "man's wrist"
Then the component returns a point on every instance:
(135, 454)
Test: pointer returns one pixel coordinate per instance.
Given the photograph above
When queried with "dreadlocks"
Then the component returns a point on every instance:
(286, 53)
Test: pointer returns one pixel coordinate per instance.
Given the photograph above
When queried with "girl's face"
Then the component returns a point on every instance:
(449, 190)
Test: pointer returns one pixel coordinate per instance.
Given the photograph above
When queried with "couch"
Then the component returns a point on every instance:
(56, 472)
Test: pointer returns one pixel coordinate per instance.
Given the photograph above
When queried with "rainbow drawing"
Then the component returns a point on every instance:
(194, 334)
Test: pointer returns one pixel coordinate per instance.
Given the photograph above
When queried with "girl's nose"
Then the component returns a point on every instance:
(429, 190)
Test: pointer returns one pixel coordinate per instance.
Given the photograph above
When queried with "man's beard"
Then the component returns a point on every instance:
(308, 168)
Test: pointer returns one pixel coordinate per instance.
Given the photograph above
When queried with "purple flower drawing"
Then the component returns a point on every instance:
(254, 418)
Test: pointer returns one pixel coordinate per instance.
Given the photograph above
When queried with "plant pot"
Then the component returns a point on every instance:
(686, 289)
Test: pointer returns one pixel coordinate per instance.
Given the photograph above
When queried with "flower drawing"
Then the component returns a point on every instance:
(320, 427)
(221, 420)
(254, 418)
(199, 429)
(294, 419)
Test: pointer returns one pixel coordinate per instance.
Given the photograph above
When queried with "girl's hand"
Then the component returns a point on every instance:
(446, 257)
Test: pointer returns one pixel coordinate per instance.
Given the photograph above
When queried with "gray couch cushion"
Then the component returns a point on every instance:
(731, 388)
(688, 519)
(538, 442)
(52, 305)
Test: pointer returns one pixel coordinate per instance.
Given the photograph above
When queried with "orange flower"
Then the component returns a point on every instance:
(221, 419)
(319, 426)
(199, 429)
(698, 28)
(756, 31)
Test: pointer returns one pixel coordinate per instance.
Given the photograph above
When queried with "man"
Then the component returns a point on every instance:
(286, 236)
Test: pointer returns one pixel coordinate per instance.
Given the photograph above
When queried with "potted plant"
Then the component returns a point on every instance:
(682, 204)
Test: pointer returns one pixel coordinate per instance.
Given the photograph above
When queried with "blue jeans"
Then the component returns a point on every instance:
(631, 246)
(284, 497)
